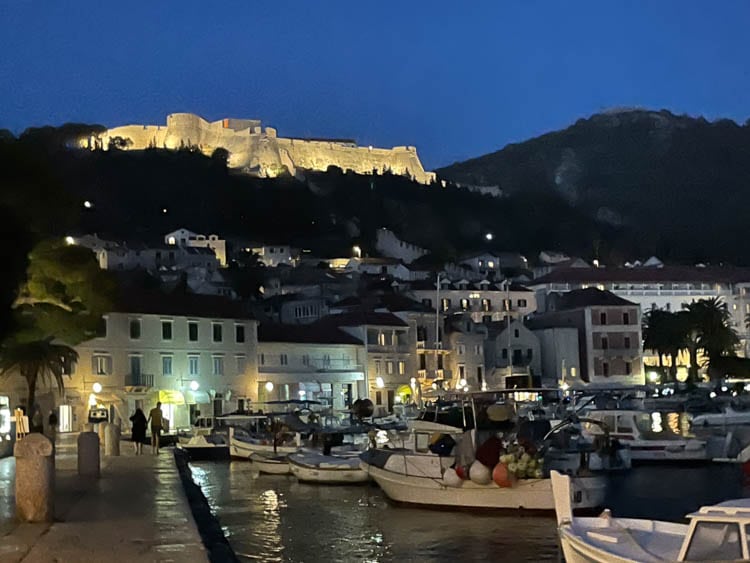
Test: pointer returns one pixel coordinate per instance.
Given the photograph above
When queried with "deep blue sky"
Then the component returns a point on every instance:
(457, 79)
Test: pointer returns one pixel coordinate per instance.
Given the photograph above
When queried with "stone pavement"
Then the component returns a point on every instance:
(136, 511)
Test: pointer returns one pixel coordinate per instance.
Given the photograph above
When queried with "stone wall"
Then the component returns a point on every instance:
(260, 151)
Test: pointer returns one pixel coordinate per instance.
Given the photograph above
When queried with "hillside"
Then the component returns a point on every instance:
(680, 185)
(46, 182)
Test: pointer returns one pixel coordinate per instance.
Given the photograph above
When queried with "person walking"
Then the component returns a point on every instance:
(52, 425)
(157, 423)
(139, 430)
(37, 421)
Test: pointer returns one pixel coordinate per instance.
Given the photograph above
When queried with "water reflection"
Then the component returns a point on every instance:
(275, 518)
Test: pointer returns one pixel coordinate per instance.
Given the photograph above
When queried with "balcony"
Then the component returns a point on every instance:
(139, 380)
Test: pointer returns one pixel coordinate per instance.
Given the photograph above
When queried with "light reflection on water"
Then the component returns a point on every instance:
(274, 518)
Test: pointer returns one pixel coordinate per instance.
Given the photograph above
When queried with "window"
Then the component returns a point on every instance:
(102, 365)
(216, 332)
(326, 360)
(505, 354)
(626, 318)
(522, 302)
(478, 349)
(381, 339)
(480, 374)
(193, 365)
(378, 397)
(572, 372)
(262, 359)
(239, 334)
(486, 305)
(427, 303)
(440, 361)
(401, 368)
(422, 361)
(193, 331)
(240, 363)
(377, 367)
(529, 353)
(101, 329)
(602, 318)
(445, 304)
(628, 368)
(305, 359)
(464, 304)
(135, 328)
(605, 369)
(218, 365)
(516, 333)
(166, 330)
(604, 343)
(166, 365)
(626, 342)
(461, 371)
(389, 367)
(461, 349)
(283, 359)
(135, 365)
(715, 541)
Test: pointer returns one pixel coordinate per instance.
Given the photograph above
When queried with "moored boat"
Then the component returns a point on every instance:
(334, 469)
(271, 464)
(715, 533)
(202, 447)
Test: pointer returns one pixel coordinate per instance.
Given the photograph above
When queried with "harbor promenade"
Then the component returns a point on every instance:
(136, 511)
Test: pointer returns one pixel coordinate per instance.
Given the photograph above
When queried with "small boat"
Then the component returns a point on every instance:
(648, 441)
(244, 445)
(271, 464)
(715, 533)
(201, 447)
(334, 469)
(729, 415)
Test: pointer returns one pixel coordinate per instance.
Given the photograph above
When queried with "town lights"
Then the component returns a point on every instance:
(70, 240)
(87, 204)
(357, 251)
(194, 385)
(653, 376)
(379, 383)
(462, 382)
(97, 387)
(489, 236)
(269, 386)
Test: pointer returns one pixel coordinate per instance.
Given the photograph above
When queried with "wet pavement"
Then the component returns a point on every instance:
(136, 511)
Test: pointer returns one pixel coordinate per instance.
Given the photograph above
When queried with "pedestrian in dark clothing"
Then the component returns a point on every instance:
(139, 430)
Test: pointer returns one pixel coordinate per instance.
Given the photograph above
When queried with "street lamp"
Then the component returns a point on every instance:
(488, 236)
(379, 383)
(194, 385)
(97, 387)
(357, 251)
(269, 386)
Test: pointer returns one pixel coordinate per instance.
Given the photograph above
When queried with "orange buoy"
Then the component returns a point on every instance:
(501, 476)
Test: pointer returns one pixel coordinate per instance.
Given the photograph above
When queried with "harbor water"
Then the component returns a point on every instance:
(275, 518)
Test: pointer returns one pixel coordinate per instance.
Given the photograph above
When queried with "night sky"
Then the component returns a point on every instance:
(457, 79)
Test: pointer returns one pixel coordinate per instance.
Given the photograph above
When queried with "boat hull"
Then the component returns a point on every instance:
(270, 466)
(527, 494)
(576, 551)
(328, 475)
(206, 453)
(245, 450)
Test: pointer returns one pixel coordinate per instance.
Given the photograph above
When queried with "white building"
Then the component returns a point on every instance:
(513, 351)
(388, 244)
(156, 259)
(195, 354)
(184, 237)
(273, 255)
(320, 363)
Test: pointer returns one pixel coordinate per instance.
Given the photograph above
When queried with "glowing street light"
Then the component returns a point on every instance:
(269, 386)
(357, 251)
(69, 240)
(97, 387)
(87, 204)
(194, 385)
(379, 383)
(489, 236)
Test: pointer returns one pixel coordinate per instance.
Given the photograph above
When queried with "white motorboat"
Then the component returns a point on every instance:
(271, 464)
(647, 438)
(715, 533)
(729, 415)
(414, 478)
(203, 447)
(334, 469)
(244, 446)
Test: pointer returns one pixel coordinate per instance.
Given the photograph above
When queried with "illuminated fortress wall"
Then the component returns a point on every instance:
(258, 150)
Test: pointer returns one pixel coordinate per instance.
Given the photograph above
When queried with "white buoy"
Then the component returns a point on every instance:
(480, 474)
(451, 478)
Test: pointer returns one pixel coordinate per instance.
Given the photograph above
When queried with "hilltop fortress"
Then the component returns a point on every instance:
(259, 151)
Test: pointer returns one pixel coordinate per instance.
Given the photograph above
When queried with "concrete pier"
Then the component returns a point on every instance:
(136, 511)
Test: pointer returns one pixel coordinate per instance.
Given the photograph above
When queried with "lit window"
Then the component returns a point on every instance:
(193, 365)
(218, 365)
(401, 368)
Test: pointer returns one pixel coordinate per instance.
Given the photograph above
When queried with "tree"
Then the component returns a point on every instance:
(64, 296)
(666, 333)
(37, 361)
(711, 329)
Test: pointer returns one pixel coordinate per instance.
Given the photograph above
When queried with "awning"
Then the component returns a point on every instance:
(170, 397)
(197, 398)
(107, 398)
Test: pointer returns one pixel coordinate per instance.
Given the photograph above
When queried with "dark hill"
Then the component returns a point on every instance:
(680, 185)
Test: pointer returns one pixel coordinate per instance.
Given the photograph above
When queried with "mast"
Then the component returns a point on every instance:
(437, 321)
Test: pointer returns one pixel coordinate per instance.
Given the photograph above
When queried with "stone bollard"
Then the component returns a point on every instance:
(88, 454)
(112, 442)
(35, 479)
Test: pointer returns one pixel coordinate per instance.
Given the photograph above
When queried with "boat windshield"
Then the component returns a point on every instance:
(715, 541)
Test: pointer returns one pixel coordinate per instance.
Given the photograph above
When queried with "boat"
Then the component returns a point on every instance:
(714, 533)
(731, 414)
(204, 448)
(647, 439)
(446, 468)
(270, 464)
(333, 469)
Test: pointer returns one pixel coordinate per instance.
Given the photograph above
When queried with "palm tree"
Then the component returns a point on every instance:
(665, 333)
(36, 361)
(711, 327)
